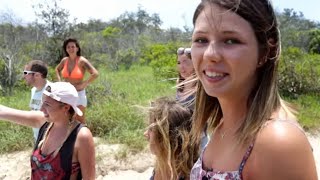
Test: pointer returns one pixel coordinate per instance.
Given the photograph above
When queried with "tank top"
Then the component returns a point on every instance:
(59, 167)
(76, 72)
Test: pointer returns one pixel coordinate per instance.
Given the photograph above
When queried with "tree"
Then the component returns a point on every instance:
(12, 39)
(294, 29)
(314, 44)
(55, 21)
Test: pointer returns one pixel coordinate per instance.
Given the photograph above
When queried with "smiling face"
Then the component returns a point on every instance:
(185, 66)
(53, 109)
(72, 48)
(224, 53)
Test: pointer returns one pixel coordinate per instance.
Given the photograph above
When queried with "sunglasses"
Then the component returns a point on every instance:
(186, 51)
(28, 72)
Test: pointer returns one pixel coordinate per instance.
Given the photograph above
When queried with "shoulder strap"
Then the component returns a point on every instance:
(66, 150)
(42, 130)
(245, 158)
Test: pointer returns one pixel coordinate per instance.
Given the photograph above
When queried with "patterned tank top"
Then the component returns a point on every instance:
(198, 173)
(58, 167)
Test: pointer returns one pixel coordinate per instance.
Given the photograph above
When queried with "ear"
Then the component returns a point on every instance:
(37, 74)
(261, 62)
(66, 107)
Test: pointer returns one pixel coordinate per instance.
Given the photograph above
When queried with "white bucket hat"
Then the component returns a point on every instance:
(64, 92)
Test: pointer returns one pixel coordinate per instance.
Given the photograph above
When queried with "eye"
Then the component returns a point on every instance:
(232, 41)
(200, 40)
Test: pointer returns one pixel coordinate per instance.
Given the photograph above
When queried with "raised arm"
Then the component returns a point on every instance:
(86, 153)
(26, 118)
(284, 152)
(59, 68)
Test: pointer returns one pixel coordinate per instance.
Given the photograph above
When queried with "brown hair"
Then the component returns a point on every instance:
(264, 98)
(38, 66)
(65, 43)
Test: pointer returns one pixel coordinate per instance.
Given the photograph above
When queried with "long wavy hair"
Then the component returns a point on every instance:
(264, 98)
(171, 125)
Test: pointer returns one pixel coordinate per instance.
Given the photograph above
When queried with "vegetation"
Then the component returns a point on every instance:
(136, 60)
(113, 111)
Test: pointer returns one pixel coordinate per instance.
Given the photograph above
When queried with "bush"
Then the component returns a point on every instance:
(162, 58)
(299, 72)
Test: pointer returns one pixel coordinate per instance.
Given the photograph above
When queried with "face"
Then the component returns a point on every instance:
(224, 53)
(185, 66)
(29, 77)
(52, 109)
(72, 48)
(151, 138)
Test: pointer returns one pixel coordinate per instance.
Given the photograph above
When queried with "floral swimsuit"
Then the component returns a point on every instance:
(198, 173)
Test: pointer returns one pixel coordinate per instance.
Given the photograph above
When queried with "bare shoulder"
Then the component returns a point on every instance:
(282, 133)
(282, 151)
(83, 59)
(64, 59)
(84, 134)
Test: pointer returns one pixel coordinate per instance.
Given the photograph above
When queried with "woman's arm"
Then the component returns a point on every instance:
(86, 153)
(93, 72)
(59, 68)
(284, 152)
(26, 118)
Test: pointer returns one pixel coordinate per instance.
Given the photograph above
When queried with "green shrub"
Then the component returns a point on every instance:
(299, 72)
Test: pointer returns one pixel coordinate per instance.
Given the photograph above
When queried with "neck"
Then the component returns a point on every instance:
(72, 56)
(234, 112)
(40, 85)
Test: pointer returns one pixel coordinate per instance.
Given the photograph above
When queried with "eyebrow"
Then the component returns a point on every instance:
(230, 32)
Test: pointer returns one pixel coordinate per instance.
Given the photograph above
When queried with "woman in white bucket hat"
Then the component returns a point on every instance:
(65, 147)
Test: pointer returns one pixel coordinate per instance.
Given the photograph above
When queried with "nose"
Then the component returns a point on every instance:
(42, 108)
(213, 52)
(146, 134)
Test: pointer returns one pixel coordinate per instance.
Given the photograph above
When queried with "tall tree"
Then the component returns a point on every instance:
(55, 21)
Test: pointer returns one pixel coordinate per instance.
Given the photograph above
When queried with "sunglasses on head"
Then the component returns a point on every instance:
(186, 51)
(28, 72)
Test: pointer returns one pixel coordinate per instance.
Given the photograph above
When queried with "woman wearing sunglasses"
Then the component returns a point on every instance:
(185, 71)
(64, 148)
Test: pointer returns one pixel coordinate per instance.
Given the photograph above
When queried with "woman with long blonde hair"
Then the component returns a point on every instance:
(169, 139)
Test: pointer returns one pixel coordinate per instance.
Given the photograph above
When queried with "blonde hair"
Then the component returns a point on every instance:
(172, 125)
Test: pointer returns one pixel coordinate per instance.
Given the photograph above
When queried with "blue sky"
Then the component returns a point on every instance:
(174, 13)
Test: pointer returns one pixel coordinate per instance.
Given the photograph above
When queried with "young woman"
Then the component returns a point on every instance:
(64, 148)
(72, 69)
(185, 91)
(186, 85)
(168, 136)
(235, 53)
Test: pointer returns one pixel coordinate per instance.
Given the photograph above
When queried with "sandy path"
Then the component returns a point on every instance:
(113, 163)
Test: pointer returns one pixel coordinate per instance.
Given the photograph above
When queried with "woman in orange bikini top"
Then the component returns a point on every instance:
(72, 68)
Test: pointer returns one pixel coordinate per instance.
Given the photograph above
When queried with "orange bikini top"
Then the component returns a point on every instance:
(76, 73)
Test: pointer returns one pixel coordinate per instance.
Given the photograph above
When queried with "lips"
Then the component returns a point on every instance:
(214, 74)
